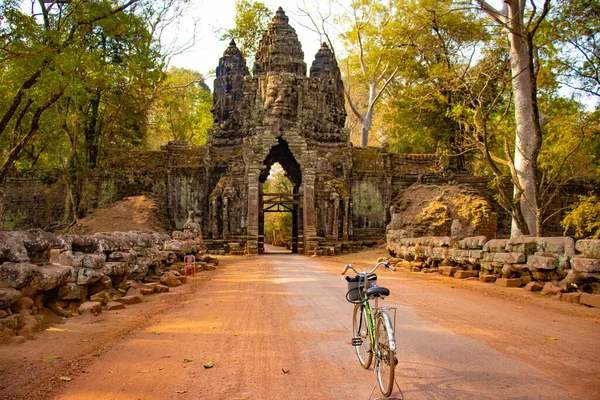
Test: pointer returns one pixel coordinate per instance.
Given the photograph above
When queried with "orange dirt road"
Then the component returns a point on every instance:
(277, 326)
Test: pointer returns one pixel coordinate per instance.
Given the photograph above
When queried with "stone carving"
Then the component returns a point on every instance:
(191, 225)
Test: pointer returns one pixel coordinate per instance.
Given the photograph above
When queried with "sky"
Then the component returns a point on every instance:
(204, 55)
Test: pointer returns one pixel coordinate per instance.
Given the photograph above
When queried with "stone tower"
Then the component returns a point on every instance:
(279, 114)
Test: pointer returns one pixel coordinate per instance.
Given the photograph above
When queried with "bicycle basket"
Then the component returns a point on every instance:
(356, 286)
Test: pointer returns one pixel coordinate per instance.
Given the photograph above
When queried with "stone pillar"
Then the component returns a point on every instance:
(214, 217)
(309, 204)
(253, 204)
(225, 218)
(335, 199)
(346, 218)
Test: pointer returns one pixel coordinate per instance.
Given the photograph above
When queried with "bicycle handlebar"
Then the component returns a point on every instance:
(365, 272)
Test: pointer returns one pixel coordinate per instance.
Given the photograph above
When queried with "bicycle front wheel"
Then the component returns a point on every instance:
(360, 330)
(386, 363)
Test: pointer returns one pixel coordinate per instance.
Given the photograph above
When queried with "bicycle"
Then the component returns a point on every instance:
(372, 328)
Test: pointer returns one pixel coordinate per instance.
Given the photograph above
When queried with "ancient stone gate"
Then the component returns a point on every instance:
(279, 115)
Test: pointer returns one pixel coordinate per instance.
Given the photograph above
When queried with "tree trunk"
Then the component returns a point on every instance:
(367, 121)
(91, 131)
(527, 142)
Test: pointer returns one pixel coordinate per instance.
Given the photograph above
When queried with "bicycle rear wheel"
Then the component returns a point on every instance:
(386, 364)
(360, 330)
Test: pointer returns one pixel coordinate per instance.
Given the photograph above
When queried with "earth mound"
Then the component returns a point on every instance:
(442, 210)
(137, 213)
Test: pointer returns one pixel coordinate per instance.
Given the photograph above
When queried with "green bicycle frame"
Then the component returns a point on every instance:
(370, 324)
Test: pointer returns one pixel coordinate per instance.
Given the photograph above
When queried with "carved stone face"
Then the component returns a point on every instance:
(281, 100)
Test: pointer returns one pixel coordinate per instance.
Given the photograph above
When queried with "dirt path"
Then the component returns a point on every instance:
(277, 326)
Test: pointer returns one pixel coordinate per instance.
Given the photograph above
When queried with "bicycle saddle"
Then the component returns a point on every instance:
(377, 291)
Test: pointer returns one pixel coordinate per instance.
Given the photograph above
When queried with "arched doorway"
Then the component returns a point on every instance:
(282, 201)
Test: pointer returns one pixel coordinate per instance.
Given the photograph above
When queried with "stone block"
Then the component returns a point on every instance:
(487, 278)
(448, 271)
(146, 291)
(93, 307)
(508, 282)
(540, 262)
(473, 242)
(589, 248)
(558, 245)
(571, 297)
(72, 291)
(534, 286)
(128, 300)
(510, 258)
(106, 295)
(476, 254)
(16, 275)
(161, 289)
(592, 300)
(114, 305)
(550, 289)
(48, 277)
(488, 257)
(461, 274)
(8, 296)
(585, 264)
(522, 244)
(495, 245)
(525, 279)
(116, 268)
(87, 276)
(93, 261)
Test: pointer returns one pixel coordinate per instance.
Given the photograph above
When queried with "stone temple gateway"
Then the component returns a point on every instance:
(279, 114)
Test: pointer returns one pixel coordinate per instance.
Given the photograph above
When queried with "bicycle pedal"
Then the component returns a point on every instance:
(357, 342)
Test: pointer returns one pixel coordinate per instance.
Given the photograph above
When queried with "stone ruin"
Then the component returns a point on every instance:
(74, 274)
(560, 267)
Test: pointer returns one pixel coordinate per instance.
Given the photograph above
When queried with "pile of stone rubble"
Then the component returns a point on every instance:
(73, 274)
(556, 266)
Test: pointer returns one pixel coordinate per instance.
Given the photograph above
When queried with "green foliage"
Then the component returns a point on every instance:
(251, 20)
(278, 225)
(181, 110)
(583, 221)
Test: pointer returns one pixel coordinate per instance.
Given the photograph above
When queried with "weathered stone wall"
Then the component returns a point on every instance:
(34, 200)
(81, 273)
(557, 266)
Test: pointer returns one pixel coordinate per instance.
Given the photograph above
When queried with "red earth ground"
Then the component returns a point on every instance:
(277, 326)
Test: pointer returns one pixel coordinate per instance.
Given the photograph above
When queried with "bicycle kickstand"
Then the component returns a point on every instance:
(388, 398)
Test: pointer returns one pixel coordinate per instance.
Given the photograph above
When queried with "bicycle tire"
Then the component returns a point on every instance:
(360, 330)
(386, 354)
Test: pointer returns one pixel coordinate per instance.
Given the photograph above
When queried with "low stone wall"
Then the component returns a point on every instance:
(557, 266)
(73, 274)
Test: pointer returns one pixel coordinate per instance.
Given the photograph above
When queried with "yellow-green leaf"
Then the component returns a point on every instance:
(209, 364)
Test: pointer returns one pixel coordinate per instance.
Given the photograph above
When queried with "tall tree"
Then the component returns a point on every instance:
(181, 109)
(252, 18)
(372, 59)
(521, 25)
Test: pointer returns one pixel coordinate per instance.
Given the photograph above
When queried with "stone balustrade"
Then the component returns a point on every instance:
(557, 266)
